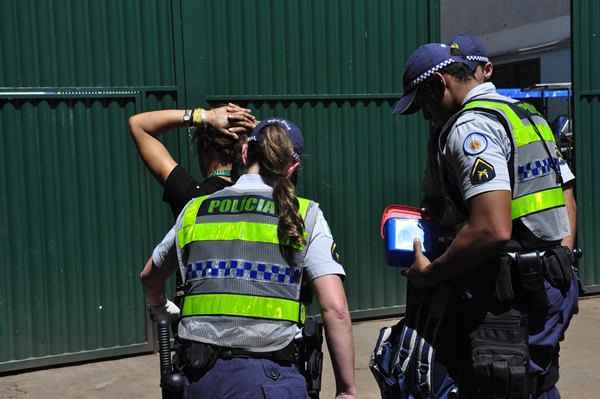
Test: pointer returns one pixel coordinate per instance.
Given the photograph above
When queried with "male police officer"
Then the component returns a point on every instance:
(474, 50)
(496, 162)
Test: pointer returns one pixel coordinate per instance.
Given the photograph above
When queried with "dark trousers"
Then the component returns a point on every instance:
(243, 378)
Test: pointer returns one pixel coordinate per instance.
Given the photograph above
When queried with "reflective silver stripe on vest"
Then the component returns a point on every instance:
(241, 267)
(551, 224)
(532, 173)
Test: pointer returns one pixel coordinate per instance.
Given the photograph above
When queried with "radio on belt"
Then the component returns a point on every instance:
(400, 225)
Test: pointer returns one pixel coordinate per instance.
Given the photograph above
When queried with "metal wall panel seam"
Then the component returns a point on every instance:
(5, 294)
(30, 249)
(304, 97)
(73, 205)
(45, 286)
(585, 43)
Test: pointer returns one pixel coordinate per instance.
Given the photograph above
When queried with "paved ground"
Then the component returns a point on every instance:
(137, 377)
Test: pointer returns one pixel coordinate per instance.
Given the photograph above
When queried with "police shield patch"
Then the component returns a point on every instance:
(475, 144)
(482, 172)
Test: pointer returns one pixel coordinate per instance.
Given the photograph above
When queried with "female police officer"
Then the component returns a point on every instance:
(242, 252)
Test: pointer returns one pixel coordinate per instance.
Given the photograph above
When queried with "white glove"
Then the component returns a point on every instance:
(168, 311)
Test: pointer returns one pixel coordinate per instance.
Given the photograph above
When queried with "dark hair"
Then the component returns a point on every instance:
(460, 71)
(223, 146)
(273, 153)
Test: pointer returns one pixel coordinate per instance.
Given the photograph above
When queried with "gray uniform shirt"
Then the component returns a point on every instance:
(477, 135)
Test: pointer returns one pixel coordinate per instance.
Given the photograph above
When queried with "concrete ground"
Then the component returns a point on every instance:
(137, 377)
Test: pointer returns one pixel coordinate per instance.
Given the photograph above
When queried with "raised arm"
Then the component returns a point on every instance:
(338, 330)
(144, 128)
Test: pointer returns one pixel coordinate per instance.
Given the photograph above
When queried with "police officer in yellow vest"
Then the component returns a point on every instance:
(516, 291)
(242, 252)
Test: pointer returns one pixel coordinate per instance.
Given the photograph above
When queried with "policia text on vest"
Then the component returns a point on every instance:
(232, 205)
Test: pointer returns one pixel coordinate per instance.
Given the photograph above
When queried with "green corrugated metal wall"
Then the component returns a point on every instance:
(79, 211)
(335, 67)
(586, 80)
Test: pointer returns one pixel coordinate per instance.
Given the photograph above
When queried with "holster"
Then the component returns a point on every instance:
(531, 290)
(310, 362)
(558, 263)
(195, 358)
(500, 355)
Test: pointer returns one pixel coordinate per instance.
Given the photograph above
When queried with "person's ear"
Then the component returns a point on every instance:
(245, 154)
(292, 168)
(488, 70)
(440, 85)
(440, 79)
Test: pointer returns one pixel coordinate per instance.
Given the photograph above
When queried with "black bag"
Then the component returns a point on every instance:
(499, 355)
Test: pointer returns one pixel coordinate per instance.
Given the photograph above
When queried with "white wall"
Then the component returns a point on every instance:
(485, 16)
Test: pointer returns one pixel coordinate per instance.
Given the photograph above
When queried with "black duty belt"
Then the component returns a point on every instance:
(521, 276)
(201, 355)
(289, 354)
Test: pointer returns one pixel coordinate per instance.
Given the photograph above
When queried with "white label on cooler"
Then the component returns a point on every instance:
(406, 231)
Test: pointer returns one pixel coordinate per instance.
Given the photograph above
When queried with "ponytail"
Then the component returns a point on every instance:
(291, 226)
(274, 155)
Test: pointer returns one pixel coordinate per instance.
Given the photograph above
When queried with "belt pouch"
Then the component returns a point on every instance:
(531, 281)
(499, 356)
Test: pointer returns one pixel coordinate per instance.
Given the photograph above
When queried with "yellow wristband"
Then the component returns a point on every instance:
(198, 116)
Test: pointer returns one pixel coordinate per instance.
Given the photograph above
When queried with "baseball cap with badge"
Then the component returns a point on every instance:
(423, 63)
(471, 47)
(292, 130)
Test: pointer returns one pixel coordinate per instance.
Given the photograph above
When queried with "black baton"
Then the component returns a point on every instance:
(164, 351)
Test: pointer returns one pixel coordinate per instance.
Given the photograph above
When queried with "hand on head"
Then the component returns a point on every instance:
(231, 119)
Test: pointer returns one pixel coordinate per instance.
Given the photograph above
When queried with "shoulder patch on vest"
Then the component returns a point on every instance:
(475, 144)
(482, 172)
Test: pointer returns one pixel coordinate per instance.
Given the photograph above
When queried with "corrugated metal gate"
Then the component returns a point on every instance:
(586, 80)
(336, 68)
(79, 211)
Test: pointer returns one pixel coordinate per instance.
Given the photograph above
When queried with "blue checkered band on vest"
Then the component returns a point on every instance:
(243, 269)
(537, 168)
(240, 267)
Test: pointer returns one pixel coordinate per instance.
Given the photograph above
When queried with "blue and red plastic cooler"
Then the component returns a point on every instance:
(400, 225)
